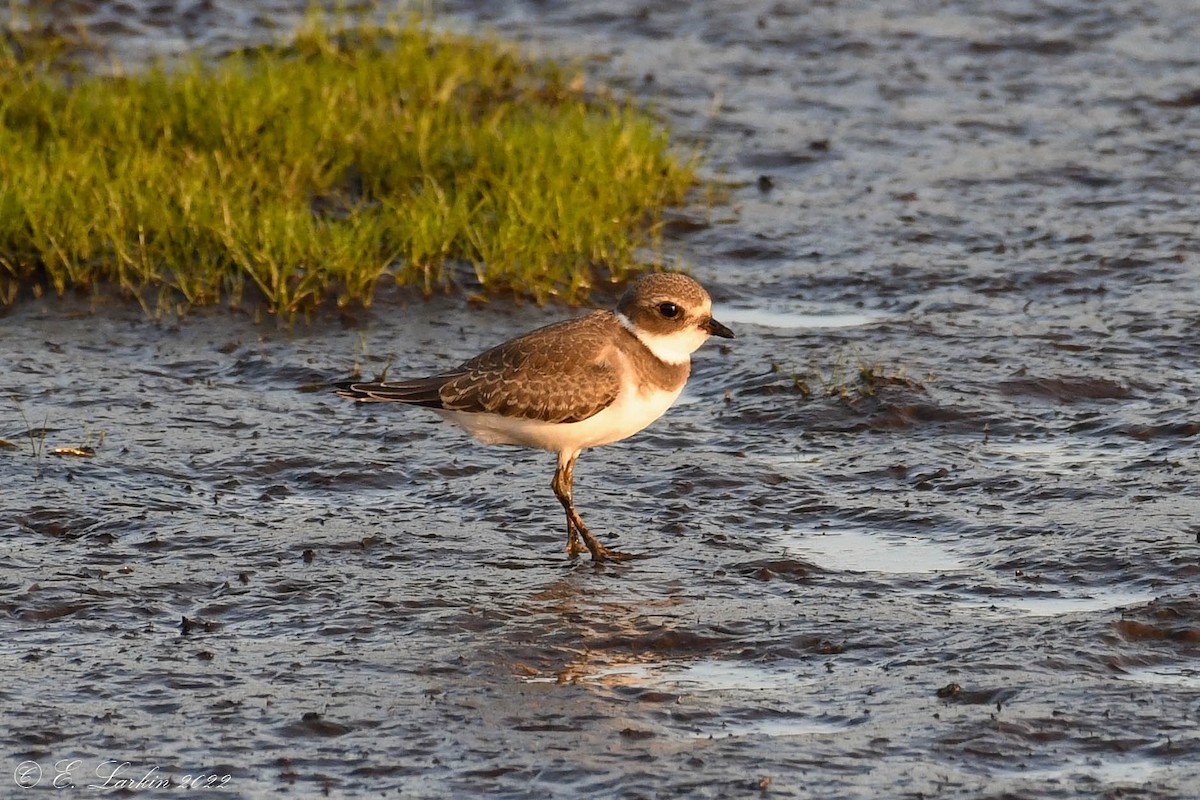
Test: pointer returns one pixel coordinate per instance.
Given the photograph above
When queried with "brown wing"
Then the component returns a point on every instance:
(560, 373)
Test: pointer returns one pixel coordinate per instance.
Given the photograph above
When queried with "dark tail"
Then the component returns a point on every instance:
(419, 392)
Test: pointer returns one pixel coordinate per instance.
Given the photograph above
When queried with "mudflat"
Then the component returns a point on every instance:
(926, 528)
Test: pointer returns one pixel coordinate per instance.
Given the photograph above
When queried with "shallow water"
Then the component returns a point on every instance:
(980, 581)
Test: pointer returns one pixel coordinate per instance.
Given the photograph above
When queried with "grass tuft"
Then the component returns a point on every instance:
(356, 153)
(850, 381)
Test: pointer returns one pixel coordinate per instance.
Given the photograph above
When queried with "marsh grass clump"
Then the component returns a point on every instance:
(356, 153)
(850, 380)
(867, 380)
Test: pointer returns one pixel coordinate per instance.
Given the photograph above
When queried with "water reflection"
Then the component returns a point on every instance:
(767, 318)
(849, 550)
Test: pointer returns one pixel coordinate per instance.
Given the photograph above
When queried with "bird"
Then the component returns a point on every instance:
(576, 384)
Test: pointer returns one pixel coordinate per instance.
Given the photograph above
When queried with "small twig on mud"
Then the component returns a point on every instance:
(84, 450)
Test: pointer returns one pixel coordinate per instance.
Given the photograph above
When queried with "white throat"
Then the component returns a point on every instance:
(671, 348)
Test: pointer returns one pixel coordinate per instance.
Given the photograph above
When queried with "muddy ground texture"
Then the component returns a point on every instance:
(974, 575)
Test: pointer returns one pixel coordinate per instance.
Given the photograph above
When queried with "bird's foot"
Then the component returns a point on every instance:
(605, 554)
(599, 552)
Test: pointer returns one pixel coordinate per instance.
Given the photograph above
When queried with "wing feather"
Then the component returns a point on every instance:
(561, 373)
(417, 392)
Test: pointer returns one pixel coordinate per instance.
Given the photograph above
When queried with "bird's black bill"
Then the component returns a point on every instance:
(717, 329)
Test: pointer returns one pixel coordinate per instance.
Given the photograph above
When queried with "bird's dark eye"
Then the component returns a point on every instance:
(668, 310)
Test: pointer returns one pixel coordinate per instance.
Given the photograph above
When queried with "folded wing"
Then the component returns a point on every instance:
(560, 373)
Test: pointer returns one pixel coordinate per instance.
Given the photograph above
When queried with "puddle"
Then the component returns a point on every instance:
(730, 679)
(791, 319)
(1057, 456)
(1166, 675)
(1109, 772)
(1054, 605)
(770, 728)
(858, 551)
(702, 676)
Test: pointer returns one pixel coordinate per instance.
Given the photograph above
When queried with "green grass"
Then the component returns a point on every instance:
(851, 381)
(310, 172)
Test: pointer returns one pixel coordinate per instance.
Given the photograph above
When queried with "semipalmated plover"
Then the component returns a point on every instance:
(572, 385)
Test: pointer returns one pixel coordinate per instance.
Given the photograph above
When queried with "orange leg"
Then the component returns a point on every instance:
(563, 483)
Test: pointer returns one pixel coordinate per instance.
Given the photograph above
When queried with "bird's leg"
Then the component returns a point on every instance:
(564, 477)
(563, 485)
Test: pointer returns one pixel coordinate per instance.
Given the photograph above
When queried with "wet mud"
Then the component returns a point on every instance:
(927, 528)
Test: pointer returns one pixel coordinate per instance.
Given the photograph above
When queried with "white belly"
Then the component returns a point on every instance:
(628, 414)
